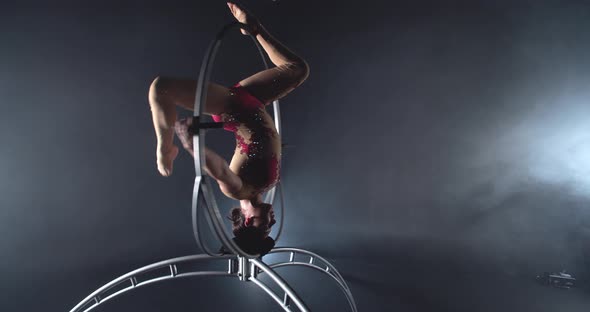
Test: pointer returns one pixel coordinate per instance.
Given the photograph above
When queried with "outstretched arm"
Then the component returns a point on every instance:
(217, 168)
(290, 71)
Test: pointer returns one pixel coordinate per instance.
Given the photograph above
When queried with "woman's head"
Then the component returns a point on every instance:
(251, 226)
(259, 215)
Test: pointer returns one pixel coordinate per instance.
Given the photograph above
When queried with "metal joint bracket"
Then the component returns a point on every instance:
(244, 269)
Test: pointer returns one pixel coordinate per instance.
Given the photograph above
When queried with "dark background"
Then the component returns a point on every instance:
(441, 159)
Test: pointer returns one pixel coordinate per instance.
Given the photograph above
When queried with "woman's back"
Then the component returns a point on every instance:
(257, 156)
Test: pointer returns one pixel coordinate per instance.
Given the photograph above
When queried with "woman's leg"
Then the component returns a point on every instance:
(167, 93)
(215, 166)
(290, 71)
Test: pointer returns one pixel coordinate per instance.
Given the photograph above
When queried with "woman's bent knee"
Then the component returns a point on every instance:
(158, 88)
(299, 71)
(156, 84)
(303, 70)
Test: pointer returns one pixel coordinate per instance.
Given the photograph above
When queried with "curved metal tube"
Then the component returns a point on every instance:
(279, 281)
(131, 278)
(330, 269)
(270, 293)
(215, 220)
(341, 283)
(282, 202)
(96, 298)
(311, 254)
(197, 229)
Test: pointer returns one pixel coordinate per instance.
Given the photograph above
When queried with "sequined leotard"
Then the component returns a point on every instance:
(257, 156)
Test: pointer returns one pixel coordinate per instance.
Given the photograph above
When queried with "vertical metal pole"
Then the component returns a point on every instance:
(253, 270)
(243, 269)
(232, 266)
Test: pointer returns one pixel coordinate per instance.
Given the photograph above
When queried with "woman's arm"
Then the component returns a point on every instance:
(217, 168)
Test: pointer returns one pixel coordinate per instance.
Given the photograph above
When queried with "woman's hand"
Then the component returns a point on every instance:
(243, 16)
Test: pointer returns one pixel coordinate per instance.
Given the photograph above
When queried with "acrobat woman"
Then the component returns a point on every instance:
(255, 165)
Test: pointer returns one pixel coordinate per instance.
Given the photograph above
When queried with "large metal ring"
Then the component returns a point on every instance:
(203, 182)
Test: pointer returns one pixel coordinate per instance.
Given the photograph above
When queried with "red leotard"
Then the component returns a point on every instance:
(256, 139)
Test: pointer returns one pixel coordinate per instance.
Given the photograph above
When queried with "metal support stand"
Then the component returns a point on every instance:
(244, 269)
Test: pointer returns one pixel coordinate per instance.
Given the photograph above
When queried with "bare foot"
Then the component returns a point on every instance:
(243, 16)
(166, 159)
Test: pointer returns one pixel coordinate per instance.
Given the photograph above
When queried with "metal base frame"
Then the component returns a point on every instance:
(242, 268)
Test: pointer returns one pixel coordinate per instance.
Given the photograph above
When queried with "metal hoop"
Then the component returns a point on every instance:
(203, 182)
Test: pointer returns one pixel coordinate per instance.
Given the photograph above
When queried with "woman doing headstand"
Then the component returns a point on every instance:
(255, 165)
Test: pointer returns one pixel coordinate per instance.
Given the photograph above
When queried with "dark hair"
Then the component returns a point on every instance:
(250, 239)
